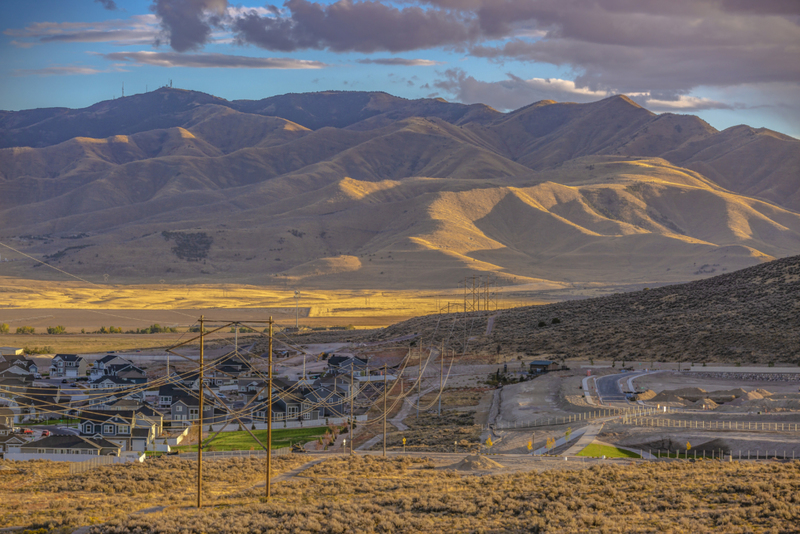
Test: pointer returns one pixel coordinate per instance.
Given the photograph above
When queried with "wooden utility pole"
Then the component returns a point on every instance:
(385, 394)
(269, 411)
(352, 399)
(419, 382)
(200, 428)
(441, 377)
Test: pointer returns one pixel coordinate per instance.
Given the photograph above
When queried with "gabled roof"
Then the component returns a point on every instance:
(112, 379)
(68, 357)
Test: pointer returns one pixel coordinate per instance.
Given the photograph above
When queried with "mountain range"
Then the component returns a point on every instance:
(368, 190)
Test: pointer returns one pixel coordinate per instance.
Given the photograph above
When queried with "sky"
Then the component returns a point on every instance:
(728, 61)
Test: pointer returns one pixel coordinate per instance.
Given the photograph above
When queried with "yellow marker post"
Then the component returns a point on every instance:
(404, 445)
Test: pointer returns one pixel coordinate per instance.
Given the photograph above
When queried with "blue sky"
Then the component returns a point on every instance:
(724, 60)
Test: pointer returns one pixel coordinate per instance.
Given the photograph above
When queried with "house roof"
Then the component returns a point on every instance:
(68, 357)
(112, 379)
(541, 362)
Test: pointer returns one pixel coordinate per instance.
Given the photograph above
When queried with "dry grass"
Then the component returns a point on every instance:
(369, 494)
(42, 494)
(373, 494)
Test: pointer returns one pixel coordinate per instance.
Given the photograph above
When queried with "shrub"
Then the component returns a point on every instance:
(26, 330)
(4, 328)
(542, 324)
(555, 320)
(56, 330)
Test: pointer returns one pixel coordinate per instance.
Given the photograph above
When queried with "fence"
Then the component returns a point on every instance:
(586, 416)
(80, 467)
(711, 425)
(216, 455)
(718, 454)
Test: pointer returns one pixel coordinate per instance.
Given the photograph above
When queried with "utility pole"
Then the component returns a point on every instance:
(296, 304)
(441, 377)
(385, 394)
(419, 382)
(200, 428)
(269, 411)
(352, 399)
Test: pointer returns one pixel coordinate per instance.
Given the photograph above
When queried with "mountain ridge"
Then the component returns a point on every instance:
(540, 193)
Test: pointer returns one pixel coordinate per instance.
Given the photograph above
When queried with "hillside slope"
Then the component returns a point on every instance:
(748, 316)
(370, 190)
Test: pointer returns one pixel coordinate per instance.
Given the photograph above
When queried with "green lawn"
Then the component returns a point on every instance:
(242, 441)
(595, 451)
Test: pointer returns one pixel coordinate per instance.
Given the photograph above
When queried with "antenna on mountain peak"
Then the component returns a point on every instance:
(170, 83)
(123, 89)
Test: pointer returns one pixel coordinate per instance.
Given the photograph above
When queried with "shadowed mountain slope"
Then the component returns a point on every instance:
(751, 315)
(370, 190)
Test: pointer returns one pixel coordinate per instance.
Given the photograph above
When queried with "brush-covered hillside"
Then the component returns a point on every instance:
(748, 316)
(368, 190)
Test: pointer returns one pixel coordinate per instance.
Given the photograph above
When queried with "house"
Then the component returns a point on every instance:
(14, 387)
(110, 383)
(24, 363)
(11, 351)
(185, 411)
(68, 447)
(7, 430)
(67, 366)
(43, 403)
(7, 370)
(7, 417)
(100, 366)
(543, 366)
(130, 430)
(168, 393)
(11, 440)
(347, 365)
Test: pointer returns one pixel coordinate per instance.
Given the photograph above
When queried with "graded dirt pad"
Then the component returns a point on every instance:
(703, 404)
(667, 397)
(476, 462)
(646, 395)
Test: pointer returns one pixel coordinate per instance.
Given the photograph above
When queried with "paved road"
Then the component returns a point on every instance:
(608, 388)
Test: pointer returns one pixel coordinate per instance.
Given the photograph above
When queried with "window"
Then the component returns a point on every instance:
(178, 408)
(123, 429)
(88, 428)
(292, 410)
(193, 413)
(108, 429)
(40, 451)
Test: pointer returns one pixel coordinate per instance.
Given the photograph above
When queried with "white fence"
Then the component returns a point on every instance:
(585, 416)
(712, 425)
(216, 455)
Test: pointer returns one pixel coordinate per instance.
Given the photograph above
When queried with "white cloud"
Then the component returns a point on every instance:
(176, 59)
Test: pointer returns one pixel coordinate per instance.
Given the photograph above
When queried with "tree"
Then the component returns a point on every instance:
(56, 330)
(4, 328)
(568, 433)
(530, 446)
(489, 443)
(26, 330)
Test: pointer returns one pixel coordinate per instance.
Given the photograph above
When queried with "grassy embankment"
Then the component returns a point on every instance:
(243, 441)
(595, 450)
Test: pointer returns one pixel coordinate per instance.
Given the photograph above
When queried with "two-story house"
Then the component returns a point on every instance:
(131, 430)
(185, 411)
(67, 366)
